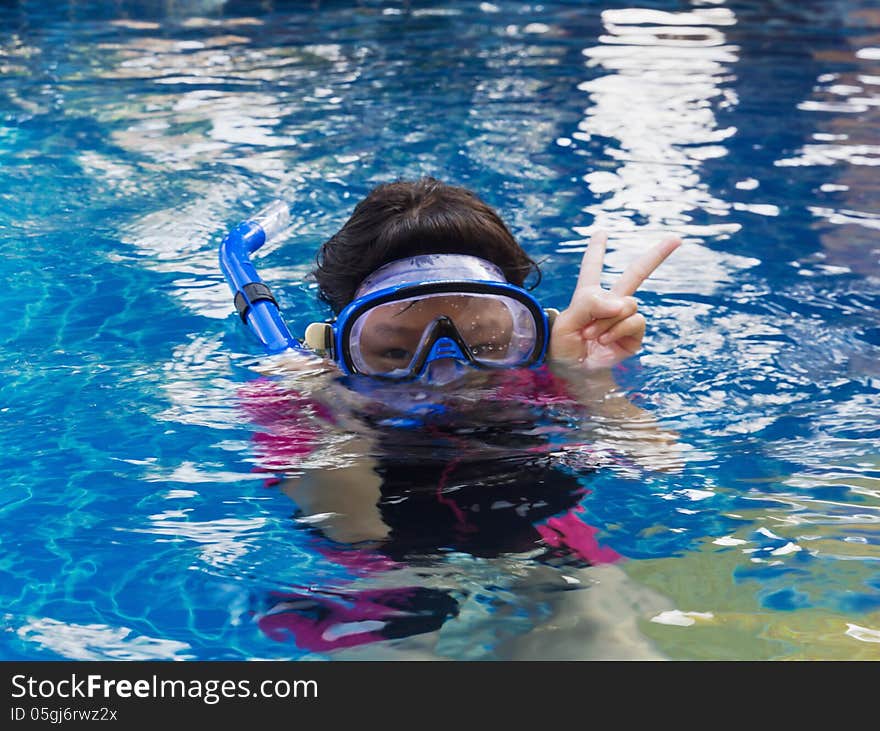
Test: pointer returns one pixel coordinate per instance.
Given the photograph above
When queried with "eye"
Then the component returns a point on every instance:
(396, 354)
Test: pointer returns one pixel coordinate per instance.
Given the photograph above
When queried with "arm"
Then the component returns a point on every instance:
(340, 493)
(599, 329)
(619, 423)
(346, 496)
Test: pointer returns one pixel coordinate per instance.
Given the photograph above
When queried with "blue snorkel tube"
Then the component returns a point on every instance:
(253, 299)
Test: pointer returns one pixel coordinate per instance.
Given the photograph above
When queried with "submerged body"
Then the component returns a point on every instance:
(389, 477)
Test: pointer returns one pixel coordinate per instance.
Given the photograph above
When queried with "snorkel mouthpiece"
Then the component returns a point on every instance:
(253, 299)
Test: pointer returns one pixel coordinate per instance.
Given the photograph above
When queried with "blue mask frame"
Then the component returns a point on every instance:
(443, 341)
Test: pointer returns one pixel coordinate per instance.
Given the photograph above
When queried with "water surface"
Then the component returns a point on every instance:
(141, 517)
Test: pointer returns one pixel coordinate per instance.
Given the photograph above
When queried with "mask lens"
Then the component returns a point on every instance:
(388, 339)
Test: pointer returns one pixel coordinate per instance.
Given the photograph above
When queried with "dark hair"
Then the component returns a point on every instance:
(402, 219)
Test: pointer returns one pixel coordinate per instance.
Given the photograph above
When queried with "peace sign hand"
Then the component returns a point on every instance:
(601, 327)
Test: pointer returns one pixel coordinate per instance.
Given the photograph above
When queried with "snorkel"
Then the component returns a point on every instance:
(254, 302)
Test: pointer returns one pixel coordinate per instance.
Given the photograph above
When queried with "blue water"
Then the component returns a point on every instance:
(137, 520)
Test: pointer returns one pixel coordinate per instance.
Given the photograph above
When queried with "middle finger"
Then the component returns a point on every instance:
(644, 266)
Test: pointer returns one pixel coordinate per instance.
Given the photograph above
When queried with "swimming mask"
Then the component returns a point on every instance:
(430, 313)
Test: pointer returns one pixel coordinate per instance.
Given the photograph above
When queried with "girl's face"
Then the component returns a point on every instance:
(392, 334)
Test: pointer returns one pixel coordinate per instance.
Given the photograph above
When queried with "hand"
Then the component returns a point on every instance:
(601, 327)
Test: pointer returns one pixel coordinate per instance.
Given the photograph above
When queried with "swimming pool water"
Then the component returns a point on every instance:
(137, 520)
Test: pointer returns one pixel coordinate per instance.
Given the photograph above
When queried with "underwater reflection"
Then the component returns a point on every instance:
(398, 484)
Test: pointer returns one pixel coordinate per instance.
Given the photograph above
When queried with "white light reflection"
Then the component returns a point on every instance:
(677, 618)
(667, 73)
(863, 634)
(189, 473)
(222, 541)
(846, 105)
(199, 385)
(254, 138)
(100, 642)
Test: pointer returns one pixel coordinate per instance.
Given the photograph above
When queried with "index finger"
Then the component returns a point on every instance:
(591, 265)
(644, 267)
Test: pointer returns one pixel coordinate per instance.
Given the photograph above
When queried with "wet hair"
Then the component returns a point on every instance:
(402, 219)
